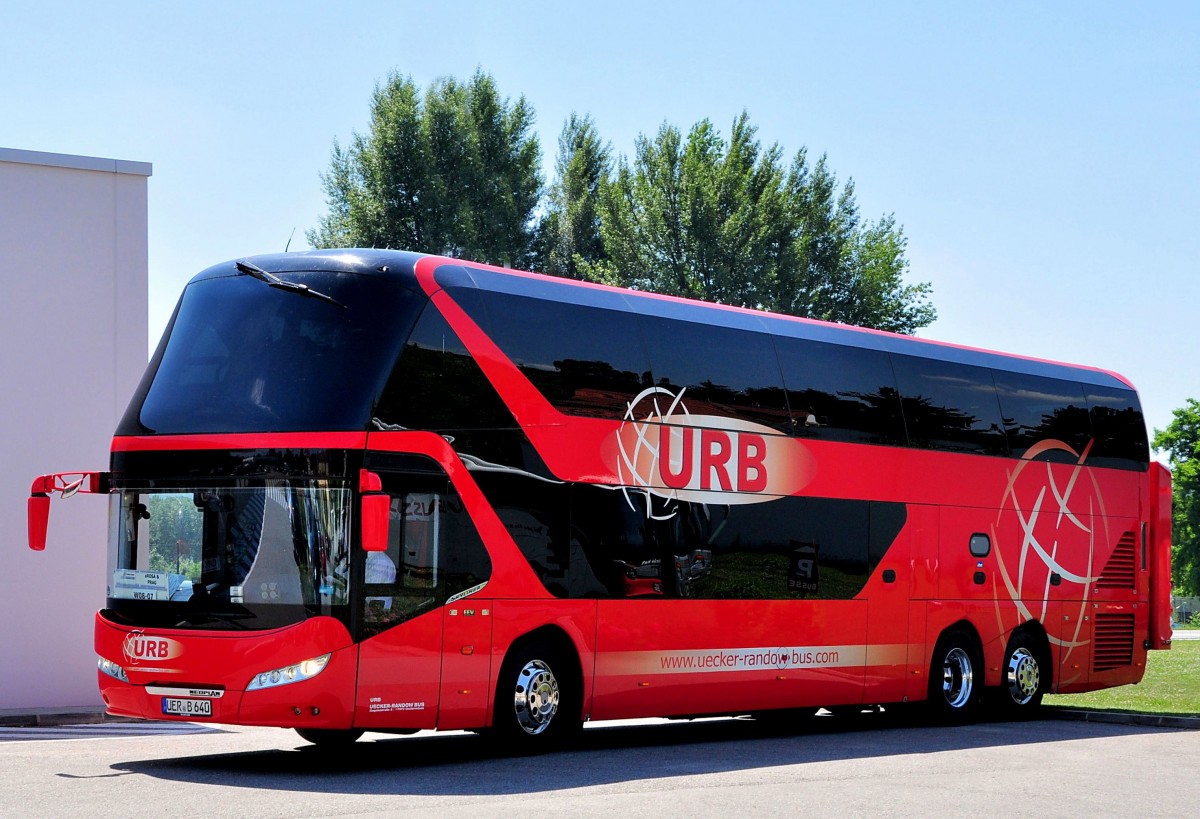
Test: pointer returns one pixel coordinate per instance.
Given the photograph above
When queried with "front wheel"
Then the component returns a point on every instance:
(537, 701)
(953, 685)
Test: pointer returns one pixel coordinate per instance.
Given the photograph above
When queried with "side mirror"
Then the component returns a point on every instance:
(65, 483)
(376, 506)
(375, 511)
(39, 521)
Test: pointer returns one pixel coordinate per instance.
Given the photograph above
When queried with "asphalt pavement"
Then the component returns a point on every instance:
(869, 765)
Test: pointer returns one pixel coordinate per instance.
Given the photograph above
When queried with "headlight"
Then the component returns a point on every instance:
(112, 669)
(305, 670)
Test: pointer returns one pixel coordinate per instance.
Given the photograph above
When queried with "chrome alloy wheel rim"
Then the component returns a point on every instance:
(958, 678)
(536, 698)
(1023, 676)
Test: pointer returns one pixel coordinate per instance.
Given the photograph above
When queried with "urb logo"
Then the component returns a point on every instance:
(664, 450)
(139, 647)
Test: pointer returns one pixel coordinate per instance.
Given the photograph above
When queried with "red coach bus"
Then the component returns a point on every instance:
(376, 490)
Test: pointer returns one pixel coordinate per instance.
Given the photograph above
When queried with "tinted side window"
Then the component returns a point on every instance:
(792, 548)
(722, 371)
(437, 385)
(620, 540)
(949, 406)
(584, 360)
(537, 514)
(841, 393)
(1037, 409)
(1118, 428)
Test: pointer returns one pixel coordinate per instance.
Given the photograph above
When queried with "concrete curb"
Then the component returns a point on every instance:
(48, 717)
(1122, 718)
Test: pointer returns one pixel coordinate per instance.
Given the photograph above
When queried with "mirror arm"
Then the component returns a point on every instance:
(65, 483)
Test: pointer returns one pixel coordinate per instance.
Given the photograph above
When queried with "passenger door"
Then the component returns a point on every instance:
(424, 661)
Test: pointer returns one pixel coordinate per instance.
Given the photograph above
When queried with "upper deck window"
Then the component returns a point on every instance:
(243, 356)
(1118, 428)
(719, 370)
(950, 406)
(841, 393)
(585, 360)
(1037, 409)
(437, 384)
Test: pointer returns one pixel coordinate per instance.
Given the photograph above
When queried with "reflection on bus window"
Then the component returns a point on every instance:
(434, 552)
(259, 555)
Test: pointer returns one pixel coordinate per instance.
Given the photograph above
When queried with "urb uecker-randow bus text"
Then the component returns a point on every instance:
(375, 490)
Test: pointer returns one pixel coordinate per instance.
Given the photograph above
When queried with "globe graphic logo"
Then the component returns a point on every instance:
(1050, 532)
(638, 449)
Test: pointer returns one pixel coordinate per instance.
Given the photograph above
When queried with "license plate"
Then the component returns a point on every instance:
(177, 707)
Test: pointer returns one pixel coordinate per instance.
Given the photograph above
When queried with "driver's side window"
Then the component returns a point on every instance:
(434, 550)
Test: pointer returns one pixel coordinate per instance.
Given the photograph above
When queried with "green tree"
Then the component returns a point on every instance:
(453, 172)
(1181, 441)
(724, 221)
(879, 296)
(569, 239)
(176, 532)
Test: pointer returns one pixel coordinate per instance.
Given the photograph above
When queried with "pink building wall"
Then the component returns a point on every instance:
(73, 314)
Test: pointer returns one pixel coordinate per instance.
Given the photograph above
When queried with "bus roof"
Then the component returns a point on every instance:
(400, 266)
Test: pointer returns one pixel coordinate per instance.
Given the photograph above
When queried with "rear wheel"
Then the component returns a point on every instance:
(329, 737)
(954, 687)
(1025, 676)
(538, 700)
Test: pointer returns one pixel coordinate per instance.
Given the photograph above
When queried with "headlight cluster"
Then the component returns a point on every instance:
(112, 669)
(289, 674)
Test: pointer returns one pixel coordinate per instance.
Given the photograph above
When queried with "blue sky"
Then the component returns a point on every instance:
(1043, 158)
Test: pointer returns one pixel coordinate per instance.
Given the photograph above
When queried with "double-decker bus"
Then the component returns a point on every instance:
(375, 490)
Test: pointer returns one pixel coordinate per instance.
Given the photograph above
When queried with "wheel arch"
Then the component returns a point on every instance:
(936, 633)
(963, 694)
(1036, 631)
(557, 637)
(963, 625)
(995, 650)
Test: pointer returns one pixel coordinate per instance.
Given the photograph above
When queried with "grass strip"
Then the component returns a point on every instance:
(1171, 686)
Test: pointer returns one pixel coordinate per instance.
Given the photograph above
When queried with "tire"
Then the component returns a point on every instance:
(330, 737)
(1025, 676)
(538, 701)
(955, 679)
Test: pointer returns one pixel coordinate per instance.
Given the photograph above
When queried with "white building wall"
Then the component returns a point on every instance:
(73, 314)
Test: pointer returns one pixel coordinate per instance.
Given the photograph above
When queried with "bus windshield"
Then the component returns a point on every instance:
(245, 557)
(244, 356)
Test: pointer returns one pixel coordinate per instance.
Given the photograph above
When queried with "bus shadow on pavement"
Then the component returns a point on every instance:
(465, 764)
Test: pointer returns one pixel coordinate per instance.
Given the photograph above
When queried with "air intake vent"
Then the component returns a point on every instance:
(1121, 570)
(1114, 642)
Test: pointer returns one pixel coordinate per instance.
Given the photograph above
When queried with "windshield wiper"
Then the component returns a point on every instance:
(271, 279)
